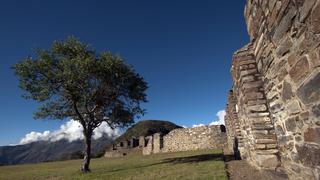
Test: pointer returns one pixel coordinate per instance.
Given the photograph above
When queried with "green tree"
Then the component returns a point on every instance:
(71, 80)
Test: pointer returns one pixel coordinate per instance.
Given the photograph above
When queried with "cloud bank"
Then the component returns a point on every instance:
(71, 131)
(219, 121)
(197, 125)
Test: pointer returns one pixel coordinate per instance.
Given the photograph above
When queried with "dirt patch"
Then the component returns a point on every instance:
(241, 169)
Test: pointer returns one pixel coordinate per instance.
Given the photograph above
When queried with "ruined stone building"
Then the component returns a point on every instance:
(186, 139)
(181, 139)
(273, 110)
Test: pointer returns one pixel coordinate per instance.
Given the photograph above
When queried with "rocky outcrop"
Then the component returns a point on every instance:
(273, 110)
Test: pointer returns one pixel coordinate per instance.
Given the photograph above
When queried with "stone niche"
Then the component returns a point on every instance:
(273, 110)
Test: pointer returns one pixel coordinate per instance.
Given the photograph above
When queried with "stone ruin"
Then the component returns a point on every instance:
(186, 139)
(126, 147)
(181, 139)
(273, 110)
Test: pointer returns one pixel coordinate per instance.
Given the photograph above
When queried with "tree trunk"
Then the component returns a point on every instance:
(87, 153)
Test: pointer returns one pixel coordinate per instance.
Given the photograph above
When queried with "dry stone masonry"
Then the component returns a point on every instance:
(273, 110)
(186, 139)
(181, 139)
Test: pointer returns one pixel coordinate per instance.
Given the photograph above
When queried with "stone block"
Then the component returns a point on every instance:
(305, 10)
(315, 18)
(279, 130)
(286, 91)
(299, 70)
(290, 124)
(309, 91)
(265, 141)
(284, 25)
(292, 59)
(316, 110)
(271, 146)
(267, 161)
(309, 154)
(282, 73)
(312, 135)
(271, 4)
(260, 146)
(293, 107)
(253, 96)
(284, 47)
(248, 72)
(258, 108)
(314, 57)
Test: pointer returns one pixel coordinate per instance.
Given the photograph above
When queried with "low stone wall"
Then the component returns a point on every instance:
(122, 152)
(186, 139)
(203, 137)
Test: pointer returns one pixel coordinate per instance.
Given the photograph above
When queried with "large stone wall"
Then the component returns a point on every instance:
(273, 110)
(202, 137)
(186, 139)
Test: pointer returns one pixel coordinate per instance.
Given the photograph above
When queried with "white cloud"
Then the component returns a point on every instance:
(220, 120)
(71, 131)
(197, 125)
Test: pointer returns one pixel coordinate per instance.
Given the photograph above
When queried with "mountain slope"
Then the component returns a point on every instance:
(146, 128)
(42, 151)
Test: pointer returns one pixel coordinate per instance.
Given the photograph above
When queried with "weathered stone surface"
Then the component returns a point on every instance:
(294, 107)
(149, 148)
(300, 69)
(267, 160)
(284, 54)
(306, 8)
(279, 130)
(316, 110)
(291, 124)
(309, 91)
(282, 73)
(312, 135)
(292, 59)
(157, 143)
(284, 24)
(284, 47)
(315, 19)
(287, 91)
(203, 137)
(265, 141)
(258, 108)
(309, 155)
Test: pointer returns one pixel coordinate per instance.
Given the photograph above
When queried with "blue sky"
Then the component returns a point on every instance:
(183, 48)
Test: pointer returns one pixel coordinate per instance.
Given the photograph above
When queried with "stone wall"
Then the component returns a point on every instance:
(203, 137)
(273, 110)
(148, 149)
(186, 139)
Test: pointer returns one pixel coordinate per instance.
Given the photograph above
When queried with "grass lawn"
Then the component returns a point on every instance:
(204, 164)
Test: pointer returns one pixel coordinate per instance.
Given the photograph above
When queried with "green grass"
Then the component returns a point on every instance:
(204, 164)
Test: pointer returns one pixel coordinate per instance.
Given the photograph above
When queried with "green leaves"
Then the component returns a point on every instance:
(71, 80)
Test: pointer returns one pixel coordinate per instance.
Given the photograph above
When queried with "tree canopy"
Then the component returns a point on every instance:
(71, 80)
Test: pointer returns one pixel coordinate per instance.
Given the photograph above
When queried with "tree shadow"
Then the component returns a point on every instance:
(180, 160)
(193, 159)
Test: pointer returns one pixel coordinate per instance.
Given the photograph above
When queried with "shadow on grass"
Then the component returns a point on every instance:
(180, 160)
(193, 159)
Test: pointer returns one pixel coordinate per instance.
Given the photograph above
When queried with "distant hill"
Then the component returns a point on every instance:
(146, 128)
(42, 151)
